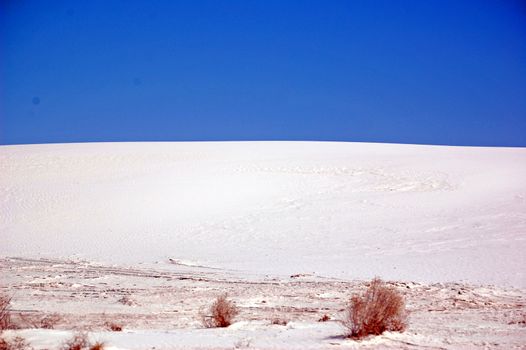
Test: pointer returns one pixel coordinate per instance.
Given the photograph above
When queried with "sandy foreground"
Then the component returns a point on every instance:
(160, 309)
(147, 234)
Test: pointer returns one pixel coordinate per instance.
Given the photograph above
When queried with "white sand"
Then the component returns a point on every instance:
(172, 225)
(349, 210)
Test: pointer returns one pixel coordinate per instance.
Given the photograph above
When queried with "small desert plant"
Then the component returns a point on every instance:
(97, 346)
(5, 312)
(80, 342)
(220, 314)
(18, 343)
(324, 318)
(379, 309)
(279, 321)
(113, 326)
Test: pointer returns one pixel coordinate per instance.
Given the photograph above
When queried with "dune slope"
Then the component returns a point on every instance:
(350, 210)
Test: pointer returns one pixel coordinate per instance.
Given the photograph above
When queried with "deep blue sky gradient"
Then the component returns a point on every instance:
(433, 72)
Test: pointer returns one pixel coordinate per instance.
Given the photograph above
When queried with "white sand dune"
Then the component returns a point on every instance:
(350, 210)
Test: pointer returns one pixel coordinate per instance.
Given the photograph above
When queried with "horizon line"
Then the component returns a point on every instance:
(267, 140)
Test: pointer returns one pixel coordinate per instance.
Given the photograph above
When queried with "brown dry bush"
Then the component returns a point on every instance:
(279, 321)
(80, 342)
(5, 312)
(17, 343)
(324, 318)
(113, 326)
(220, 314)
(97, 346)
(379, 309)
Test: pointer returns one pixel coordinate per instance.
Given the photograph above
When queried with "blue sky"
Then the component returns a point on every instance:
(432, 72)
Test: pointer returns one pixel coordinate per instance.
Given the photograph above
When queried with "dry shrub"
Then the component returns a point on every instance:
(18, 343)
(97, 346)
(324, 318)
(80, 342)
(5, 312)
(114, 327)
(220, 314)
(279, 321)
(379, 309)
